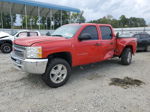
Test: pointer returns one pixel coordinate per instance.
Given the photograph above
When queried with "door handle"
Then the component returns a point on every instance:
(97, 44)
(111, 43)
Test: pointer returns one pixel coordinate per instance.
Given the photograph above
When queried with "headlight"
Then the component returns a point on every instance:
(34, 52)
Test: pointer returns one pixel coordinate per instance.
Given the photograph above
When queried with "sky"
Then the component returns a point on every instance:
(95, 9)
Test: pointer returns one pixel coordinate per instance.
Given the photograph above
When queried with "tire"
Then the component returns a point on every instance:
(57, 73)
(126, 57)
(146, 49)
(6, 48)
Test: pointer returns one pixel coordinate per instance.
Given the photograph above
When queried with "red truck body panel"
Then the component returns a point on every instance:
(84, 52)
(123, 42)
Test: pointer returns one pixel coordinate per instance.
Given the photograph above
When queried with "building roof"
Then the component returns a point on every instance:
(17, 7)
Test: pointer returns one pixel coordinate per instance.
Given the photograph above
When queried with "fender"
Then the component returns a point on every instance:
(2, 41)
(122, 43)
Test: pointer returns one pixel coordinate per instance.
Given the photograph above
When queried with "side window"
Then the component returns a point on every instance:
(22, 34)
(92, 31)
(106, 32)
(144, 36)
(33, 34)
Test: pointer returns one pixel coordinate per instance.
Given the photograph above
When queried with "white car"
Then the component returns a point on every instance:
(6, 39)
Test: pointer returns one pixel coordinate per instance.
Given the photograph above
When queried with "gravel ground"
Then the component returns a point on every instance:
(88, 89)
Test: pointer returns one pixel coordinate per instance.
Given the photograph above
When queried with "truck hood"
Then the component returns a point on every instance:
(29, 41)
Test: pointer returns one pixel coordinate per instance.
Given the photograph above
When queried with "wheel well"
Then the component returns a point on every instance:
(129, 46)
(63, 55)
(6, 41)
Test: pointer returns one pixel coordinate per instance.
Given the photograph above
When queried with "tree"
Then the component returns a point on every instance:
(7, 20)
(77, 18)
(122, 22)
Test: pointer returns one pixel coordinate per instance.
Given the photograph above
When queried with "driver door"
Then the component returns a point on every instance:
(87, 51)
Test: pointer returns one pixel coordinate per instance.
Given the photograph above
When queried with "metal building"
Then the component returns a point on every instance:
(32, 8)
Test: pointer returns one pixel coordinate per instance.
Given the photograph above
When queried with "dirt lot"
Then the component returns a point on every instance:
(88, 89)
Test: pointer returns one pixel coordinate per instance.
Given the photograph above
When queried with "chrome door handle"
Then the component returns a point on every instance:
(111, 43)
(97, 44)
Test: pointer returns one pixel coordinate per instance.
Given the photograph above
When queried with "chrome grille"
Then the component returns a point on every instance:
(19, 51)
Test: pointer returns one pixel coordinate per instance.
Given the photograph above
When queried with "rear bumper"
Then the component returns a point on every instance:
(33, 66)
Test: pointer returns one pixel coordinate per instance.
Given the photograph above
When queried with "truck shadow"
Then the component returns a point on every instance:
(87, 71)
(92, 69)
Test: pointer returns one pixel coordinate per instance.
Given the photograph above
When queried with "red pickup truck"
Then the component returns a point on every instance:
(70, 45)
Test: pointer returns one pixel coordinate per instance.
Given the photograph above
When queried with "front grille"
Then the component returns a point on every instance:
(19, 51)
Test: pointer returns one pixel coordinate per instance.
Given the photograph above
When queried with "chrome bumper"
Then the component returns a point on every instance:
(33, 66)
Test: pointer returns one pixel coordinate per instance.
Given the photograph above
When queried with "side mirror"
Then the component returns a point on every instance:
(85, 36)
(16, 35)
(117, 35)
(48, 34)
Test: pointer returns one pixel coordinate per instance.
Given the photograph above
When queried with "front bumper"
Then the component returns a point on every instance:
(33, 66)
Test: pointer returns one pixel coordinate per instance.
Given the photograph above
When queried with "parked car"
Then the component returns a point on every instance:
(6, 40)
(143, 41)
(125, 35)
(69, 46)
(3, 34)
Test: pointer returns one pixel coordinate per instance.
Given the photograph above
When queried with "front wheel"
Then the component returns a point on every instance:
(6, 48)
(126, 57)
(57, 73)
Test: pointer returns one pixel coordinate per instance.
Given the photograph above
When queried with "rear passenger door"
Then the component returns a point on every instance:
(108, 41)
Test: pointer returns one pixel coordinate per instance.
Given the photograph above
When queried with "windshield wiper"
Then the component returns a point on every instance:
(60, 36)
(57, 35)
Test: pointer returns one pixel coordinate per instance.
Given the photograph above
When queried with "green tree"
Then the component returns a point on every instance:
(123, 21)
(77, 18)
(7, 20)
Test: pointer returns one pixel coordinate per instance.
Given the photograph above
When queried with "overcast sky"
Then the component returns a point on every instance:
(95, 9)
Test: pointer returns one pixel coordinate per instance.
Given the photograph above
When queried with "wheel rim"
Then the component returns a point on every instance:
(58, 73)
(7, 49)
(129, 57)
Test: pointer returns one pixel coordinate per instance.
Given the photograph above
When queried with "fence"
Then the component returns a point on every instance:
(133, 30)
(120, 30)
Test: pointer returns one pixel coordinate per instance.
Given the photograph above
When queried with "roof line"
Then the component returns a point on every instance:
(43, 5)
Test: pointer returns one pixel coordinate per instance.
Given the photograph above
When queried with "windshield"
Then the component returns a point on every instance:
(13, 34)
(67, 31)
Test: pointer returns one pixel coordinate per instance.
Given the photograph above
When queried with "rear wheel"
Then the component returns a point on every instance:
(146, 49)
(57, 73)
(126, 57)
(6, 48)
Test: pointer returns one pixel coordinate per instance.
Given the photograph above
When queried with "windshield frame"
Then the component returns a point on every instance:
(13, 34)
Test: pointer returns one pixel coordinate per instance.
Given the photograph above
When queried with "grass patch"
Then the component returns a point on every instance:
(125, 82)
